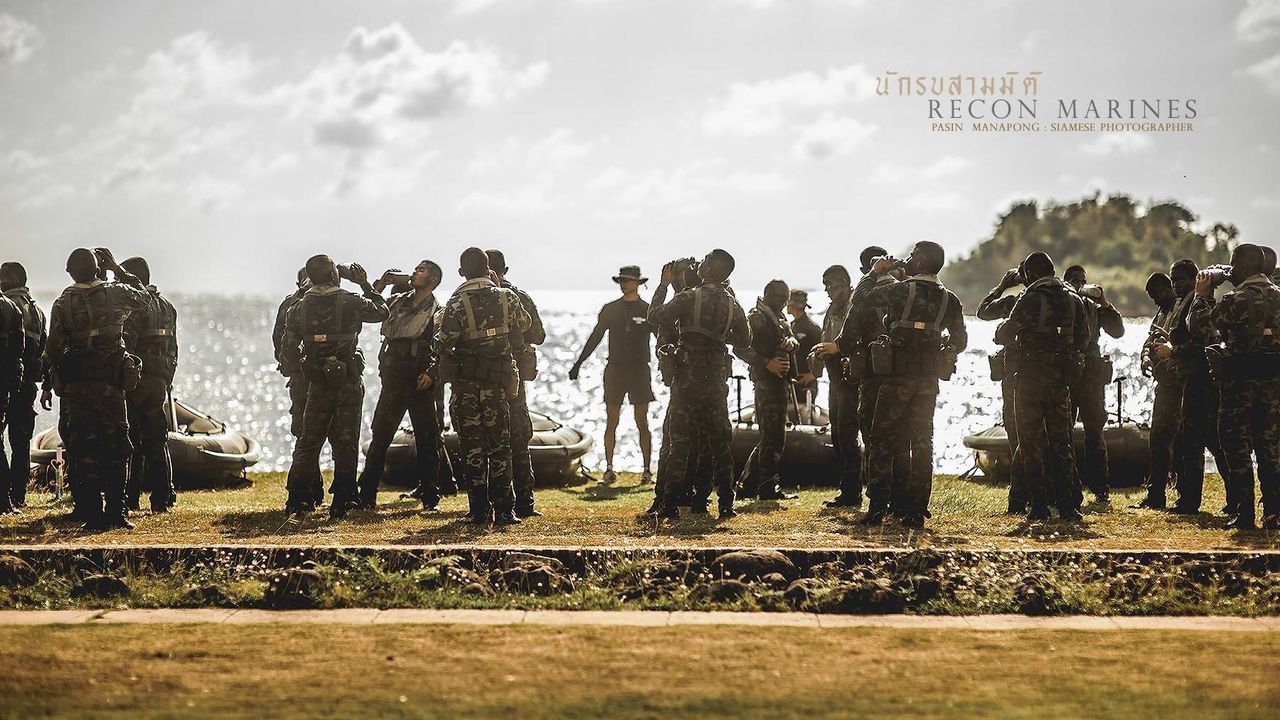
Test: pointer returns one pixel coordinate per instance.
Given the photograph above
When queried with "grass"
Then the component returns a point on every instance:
(966, 514)
(277, 671)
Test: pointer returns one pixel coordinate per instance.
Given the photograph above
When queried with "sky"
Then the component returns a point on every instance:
(228, 141)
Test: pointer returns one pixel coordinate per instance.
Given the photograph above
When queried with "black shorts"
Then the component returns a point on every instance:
(623, 381)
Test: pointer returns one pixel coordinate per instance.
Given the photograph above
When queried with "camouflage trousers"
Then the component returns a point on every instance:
(1249, 425)
(1197, 432)
(21, 415)
(1019, 496)
(95, 432)
(900, 452)
(763, 471)
(521, 463)
(333, 413)
(1043, 415)
(398, 396)
(1089, 404)
(150, 468)
(1166, 416)
(842, 397)
(695, 484)
(481, 415)
(699, 409)
(298, 386)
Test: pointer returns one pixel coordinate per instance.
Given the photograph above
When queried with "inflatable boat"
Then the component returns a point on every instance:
(555, 450)
(203, 450)
(1127, 452)
(808, 457)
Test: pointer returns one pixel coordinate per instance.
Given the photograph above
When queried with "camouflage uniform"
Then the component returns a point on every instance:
(86, 353)
(1166, 407)
(1046, 334)
(151, 334)
(913, 313)
(407, 353)
(521, 424)
(475, 343)
(842, 401)
(22, 397)
(1248, 321)
(1089, 396)
(1198, 426)
(322, 339)
(296, 382)
(997, 306)
(769, 331)
(686, 486)
(12, 351)
(860, 328)
(707, 319)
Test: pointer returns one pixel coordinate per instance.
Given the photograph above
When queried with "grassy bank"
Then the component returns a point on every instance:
(580, 672)
(967, 514)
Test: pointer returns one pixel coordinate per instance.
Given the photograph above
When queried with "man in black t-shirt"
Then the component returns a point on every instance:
(626, 373)
(808, 333)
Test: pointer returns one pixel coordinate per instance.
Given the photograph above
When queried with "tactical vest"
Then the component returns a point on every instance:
(494, 370)
(705, 326)
(92, 313)
(904, 322)
(1047, 337)
(473, 331)
(100, 317)
(406, 357)
(32, 325)
(1259, 358)
(155, 339)
(10, 326)
(323, 331)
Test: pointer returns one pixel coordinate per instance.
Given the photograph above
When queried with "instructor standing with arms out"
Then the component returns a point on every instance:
(626, 373)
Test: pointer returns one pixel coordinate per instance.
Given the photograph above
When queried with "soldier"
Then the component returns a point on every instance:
(1089, 394)
(474, 347)
(91, 372)
(996, 306)
(12, 351)
(842, 395)
(771, 339)
(626, 372)
(1269, 265)
(708, 319)
(808, 334)
(151, 334)
(1248, 321)
(1047, 334)
(409, 372)
(295, 380)
(22, 398)
(910, 356)
(322, 339)
(1166, 408)
(524, 344)
(1198, 427)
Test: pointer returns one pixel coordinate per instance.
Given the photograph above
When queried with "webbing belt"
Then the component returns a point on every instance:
(474, 332)
(158, 332)
(906, 324)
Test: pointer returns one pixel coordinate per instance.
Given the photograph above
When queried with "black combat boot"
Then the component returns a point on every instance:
(115, 515)
(480, 511)
(843, 501)
(1039, 512)
(876, 514)
(727, 511)
(506, 517)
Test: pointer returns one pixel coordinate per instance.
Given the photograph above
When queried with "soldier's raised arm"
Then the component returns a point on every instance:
(1110, 321)
(1021, 317)
(371, 307)
(535, 334)
(520, 316)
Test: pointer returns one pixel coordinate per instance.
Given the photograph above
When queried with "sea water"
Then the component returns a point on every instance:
(227, 369)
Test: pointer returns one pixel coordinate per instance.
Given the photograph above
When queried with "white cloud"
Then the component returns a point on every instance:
(1124, 143)
(767, 107)
(551, 153)
(829, 136)
(530, 199)
(1258, 20)
(21, 161)
(19, 40)
(1032, 40)
(1267, 72)
(945, 166)
(208, 193)
(383, 83)
(758, 182)
(682, 187)
(945, 201)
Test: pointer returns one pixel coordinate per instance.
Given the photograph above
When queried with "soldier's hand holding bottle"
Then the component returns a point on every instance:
(105, 259)
(789, 344)
(1012, 278)
(824, 349)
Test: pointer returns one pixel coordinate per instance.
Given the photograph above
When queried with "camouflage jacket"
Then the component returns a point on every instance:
(151, 331)
(536, 334)
(1047, 321)
(1098, 320)
(706, 319)
(914, 314)
(832, 325)
(862, 324)
(996, 305)
(90, 317)
(34, 331)
(1247, 318)
(474, 320)
(326, 322)
(277, 332)
(768, 331)
(12, 345)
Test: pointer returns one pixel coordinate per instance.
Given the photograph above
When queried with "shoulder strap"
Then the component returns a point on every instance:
(904, 321)
(942, 309)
